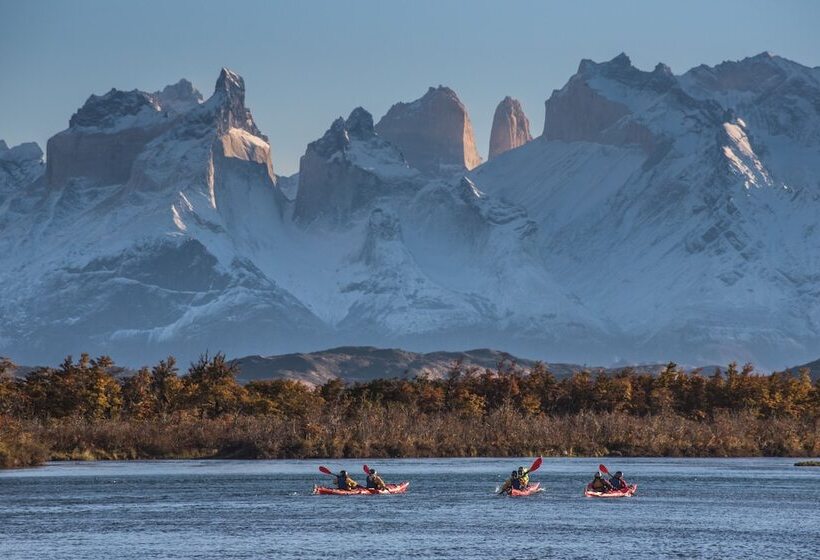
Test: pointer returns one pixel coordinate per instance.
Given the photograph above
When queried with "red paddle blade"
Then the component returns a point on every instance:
(325, 470)
(603, 469)
(536, 464)
(366, 469)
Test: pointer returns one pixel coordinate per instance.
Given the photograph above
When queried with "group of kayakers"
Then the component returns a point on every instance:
(373, 482)
(615, 482)
(518, 482)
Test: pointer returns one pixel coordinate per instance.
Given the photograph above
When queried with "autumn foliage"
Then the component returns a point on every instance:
(81, 409)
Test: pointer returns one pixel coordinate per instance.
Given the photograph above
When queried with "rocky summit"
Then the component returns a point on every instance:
(657, 216)
(511, 128)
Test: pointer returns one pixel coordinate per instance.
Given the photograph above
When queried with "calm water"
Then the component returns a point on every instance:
(698, 508)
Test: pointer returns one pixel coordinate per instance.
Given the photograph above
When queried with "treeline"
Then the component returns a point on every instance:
(81, 410)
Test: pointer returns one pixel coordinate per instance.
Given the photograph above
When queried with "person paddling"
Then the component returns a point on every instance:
(618, 482)
(510, 483)
(600, 484)
(374, 481)
(344, 482)
(523, 478)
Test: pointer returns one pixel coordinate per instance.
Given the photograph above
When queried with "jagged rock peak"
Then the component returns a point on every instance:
(179, 97)
(231, 83)
(433, 132)
(360, 124)
(511, 128)
(102, 111)
(27, 151)
(229, 97)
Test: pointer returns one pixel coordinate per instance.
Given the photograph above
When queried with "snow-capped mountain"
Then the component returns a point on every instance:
(657, 217)
(682, 209)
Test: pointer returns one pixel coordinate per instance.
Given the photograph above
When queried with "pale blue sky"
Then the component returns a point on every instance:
(305, 63)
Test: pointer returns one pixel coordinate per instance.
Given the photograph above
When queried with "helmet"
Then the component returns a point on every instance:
(598, 474)
(372, 471)
(618, 474)
(343, 472)
(514, 474)
(520, 469)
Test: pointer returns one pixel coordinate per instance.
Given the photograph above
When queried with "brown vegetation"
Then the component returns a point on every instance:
(80, 411)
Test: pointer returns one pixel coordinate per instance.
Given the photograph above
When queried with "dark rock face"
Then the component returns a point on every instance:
(229, 95)
(329, 184)
(104, 158)
(434, 132)
(511, 128)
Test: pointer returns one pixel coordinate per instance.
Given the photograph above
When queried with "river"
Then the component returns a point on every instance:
(684, 508)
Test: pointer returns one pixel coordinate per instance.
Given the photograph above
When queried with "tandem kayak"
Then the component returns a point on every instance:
(625, 493)
(530, 489)
(391, 489)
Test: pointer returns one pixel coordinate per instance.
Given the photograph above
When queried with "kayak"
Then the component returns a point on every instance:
(391, 489)
(625, 493)
(529, 490)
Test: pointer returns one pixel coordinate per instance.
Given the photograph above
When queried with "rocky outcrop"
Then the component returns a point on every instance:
(229, 102)
(592, 107)
(179, 97)
(19, 167)
(511, 128)
(104, 138)
(345, 169)
(433, 132)
(108, 134)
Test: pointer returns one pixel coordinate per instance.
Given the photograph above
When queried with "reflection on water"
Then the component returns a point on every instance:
(685, 508)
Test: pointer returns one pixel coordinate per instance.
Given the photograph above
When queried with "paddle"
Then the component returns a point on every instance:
(366, 469)
(603, 469)
(326, 470)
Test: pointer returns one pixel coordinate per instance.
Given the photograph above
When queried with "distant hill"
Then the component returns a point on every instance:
(814, 369)
(364, 363)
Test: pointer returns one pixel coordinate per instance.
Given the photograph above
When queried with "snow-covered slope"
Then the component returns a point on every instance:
(657, 217)
(149, 251)
(670, 209)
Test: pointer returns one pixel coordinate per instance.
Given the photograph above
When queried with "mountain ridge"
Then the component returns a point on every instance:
(646, 222)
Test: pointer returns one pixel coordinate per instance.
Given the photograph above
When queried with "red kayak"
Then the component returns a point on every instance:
(361, 491)
(625, 493)
(530, 489)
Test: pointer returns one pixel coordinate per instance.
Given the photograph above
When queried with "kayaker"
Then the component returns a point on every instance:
(600, 484)
(375, 481)
(523, 477)
(344, 482)
(511, 482)
(618, 482)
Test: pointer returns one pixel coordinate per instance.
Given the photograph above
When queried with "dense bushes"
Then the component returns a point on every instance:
(79, 410)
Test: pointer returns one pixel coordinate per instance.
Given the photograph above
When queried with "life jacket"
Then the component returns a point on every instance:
(375, 481)
(618, 483)
(599, 485)
(345, 483)
(516, 483)
(524, 480)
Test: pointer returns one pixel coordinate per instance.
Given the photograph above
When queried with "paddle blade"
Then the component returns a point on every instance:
(325, 470)
(366, 469)
(536, 464)
(603, 469)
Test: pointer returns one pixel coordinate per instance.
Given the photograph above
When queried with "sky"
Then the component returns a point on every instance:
(307, 62)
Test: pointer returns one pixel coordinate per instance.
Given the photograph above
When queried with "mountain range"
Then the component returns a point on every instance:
(656, 217)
